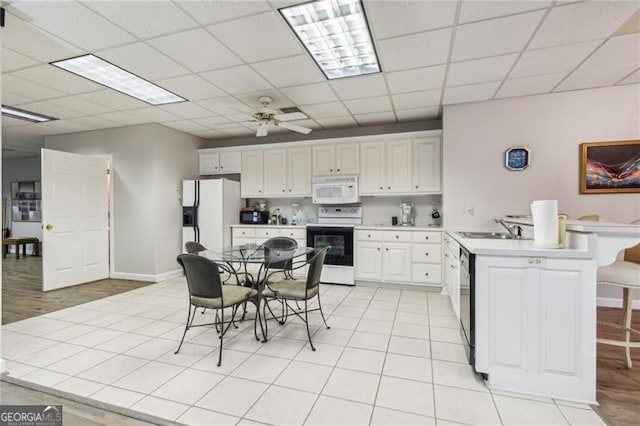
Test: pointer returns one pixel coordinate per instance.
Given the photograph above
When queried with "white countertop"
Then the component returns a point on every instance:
(586, 226)
(401, 228)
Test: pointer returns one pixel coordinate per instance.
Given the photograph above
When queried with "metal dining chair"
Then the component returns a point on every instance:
(193, 247)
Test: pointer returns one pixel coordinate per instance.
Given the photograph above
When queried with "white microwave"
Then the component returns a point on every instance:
(335, 190)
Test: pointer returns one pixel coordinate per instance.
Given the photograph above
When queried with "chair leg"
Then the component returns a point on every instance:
(186, 326)
(306, 320)
(322, 313)
(627, 309)
(221, 335)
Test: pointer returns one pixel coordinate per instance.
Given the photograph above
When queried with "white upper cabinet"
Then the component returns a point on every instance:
(398, 166)
(426, 166)
(299, 171)
(275, 173)
(372, 168)
(213, 163)
(339, 159)
(251, 184)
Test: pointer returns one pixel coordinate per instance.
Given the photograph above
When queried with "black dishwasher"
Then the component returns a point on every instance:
(467, 303)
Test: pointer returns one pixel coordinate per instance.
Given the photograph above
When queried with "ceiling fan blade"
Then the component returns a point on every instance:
(263, 128)
(290, 116)
(293, 127)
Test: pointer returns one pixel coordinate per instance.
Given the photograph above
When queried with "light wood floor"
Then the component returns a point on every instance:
(618, 388)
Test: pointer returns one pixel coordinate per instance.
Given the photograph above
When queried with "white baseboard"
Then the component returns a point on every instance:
(147, 277)
(612, 302)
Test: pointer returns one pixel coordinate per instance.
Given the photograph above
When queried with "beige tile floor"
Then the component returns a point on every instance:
(391, 357)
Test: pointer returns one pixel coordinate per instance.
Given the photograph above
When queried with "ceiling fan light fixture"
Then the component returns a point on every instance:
(333, 32)
(22, 114)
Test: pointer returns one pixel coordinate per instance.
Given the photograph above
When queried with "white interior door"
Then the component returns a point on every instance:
(75, 235)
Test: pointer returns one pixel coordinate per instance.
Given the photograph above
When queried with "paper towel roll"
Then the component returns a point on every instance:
(545, 223)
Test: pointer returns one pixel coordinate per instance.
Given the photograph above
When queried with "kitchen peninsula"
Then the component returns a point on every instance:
(535, 309)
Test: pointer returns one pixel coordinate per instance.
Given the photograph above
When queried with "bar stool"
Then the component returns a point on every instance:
(626, 274)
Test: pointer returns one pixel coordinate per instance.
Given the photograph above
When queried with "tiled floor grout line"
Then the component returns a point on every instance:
(433, 384)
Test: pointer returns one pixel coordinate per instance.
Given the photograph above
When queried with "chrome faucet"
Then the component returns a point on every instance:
(513, 229)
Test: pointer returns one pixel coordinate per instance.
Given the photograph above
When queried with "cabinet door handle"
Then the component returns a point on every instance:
(259, 190)
(221, 167)
(387, 249)
(388, 187)
(283, 190)
(397, 236)
(426, 238)
(331, 170)
(337, 170)
(368, 235)
(426, 274)
(416, 186)
(426, 254)
(381, 188)
(446, 255)
(452, 267)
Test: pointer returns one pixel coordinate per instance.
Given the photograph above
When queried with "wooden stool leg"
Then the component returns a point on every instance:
(17, 250)
(627, 309)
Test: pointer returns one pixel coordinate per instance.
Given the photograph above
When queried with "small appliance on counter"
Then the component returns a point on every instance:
(407, 214)
(249, 216)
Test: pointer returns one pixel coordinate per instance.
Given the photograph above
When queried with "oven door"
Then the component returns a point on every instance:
(340, 238)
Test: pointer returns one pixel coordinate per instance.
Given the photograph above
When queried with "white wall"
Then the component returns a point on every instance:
(148, 161)
(15, 170)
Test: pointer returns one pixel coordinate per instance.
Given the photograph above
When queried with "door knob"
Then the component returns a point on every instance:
(49, 227)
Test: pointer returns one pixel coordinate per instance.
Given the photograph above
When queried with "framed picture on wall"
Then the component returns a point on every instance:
(26, 201)
(610, 167)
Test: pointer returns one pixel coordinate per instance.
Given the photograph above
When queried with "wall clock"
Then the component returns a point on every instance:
(517, 158)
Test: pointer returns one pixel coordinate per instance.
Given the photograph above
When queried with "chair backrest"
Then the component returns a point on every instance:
(632, 254)
(280, 244)
(590, 218)
(203, 276)
(315, 267)
(193, 247)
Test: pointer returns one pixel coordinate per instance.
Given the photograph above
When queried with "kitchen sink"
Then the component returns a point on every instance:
(491, 235)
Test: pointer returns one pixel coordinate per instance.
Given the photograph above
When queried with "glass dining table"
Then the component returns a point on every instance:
(252, 265)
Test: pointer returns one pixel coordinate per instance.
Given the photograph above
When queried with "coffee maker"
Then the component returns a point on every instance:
(407, 214)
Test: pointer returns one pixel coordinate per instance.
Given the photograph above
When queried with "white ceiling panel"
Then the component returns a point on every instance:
(46, 108)
(154, 67)
(27, 88)
(375, 118)
(248, 39)
(133, 16)
(278, 100)
(495, 37)
(208, 134)
(417, 114)
(204, 52)
(582, 21)
(236, 80)
(58, 79)
(616, 51)
(632, 79)
(123, 118)
(414, 16)
(310, 94)
(553, 59)
(337, 122)
(12, 122)
(81, 105)
(472, 93)
(415, 51)
(91, 123)
(224, 105)
(156, 115)
(293, 71)
(239, 117)
(113, 99)
(585, 78)
(237, 131)
(73, 22)
(186, 110)
(191, 87)
(480, 10)
(213, 122)
(417, 79)
(225, 10)
(360, 87)
(185, 126)
(427, 98)
(10, 98)
(369, 105)
(480, 70)
(12, 61)
(529, 85)
(325, 110)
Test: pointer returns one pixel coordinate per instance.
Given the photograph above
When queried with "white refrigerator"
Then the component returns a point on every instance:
(209, 208)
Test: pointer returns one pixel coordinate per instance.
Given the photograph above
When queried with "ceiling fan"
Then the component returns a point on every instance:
(266, 116)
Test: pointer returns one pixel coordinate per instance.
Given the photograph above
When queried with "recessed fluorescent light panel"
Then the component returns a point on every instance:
(336, 34)
(107, 74)
(22, 114)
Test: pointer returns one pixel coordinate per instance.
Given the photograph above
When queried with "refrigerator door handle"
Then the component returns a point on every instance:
(196, 204)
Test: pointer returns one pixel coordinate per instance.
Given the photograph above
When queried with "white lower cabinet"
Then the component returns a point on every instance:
(369, 260)
(451, 273)
(396, 262)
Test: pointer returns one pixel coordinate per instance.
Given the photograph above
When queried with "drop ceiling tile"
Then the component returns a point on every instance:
(632, 25)
(421, 99)
(337, 122)
(203, 12)
(616, 51)
(46, 108)
(632, 78)
(134, 16)
(238, 131)
(185, 126)
(311, 124)
(122, 118)
(224, 105)
(241, 117)
(12, 61)
(58, 79)
(246, 37)
(154, 66)
(417, 114)
(91, 123)
(78, 104)
(27, 88)
(325, 110)
(582, 21)
(75, 23)
(417, 79)
(154, 114)
(204, 52)
(479, 10)
(113, 99)
(585, 78)
(472, 93)
(278, 100)
(11, 122)
(187, 110)
(359, 87)
(553, 59)
(494, 37)
(235, 80)
(10, 98)
(480, 70)
(375, 118)
(310, 94)
(212, 122)
(369, 105)
(191, 87)
(293, 71)
(395, 18)
(209, 134)
(529, 85)
(414, 51)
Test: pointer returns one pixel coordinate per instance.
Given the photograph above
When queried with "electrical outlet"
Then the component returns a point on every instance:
(469, 210)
